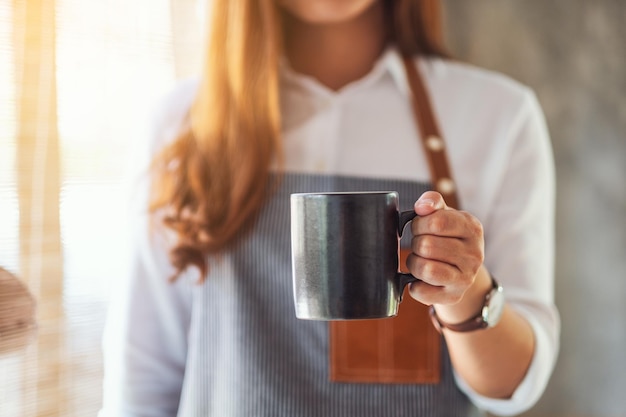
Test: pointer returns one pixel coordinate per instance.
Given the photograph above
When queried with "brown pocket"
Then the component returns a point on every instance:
(400, 350)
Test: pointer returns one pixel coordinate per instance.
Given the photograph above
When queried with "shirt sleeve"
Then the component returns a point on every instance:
(519, 250)
(145, 337)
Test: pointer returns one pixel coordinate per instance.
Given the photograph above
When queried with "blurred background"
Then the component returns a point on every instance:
(573, 54)
(78, 78)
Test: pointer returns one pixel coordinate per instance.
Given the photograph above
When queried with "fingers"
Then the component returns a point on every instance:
(429, 202)
(429, 294)
(436, 273)
(436, 218)
(447, 251)
(442, 249)
(449, 222)
(440, 282)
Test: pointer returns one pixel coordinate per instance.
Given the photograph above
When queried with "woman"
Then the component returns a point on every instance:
(302, 95)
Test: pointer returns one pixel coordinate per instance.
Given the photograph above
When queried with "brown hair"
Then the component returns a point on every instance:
(213, 179)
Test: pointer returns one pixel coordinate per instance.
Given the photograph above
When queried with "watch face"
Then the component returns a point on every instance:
(494, 308)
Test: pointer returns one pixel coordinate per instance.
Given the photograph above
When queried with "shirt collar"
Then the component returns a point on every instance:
(395, 66)
(390, 62)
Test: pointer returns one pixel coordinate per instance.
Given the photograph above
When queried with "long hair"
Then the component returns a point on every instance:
(212, 180)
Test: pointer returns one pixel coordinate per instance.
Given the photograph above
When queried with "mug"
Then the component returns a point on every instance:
(345, 255)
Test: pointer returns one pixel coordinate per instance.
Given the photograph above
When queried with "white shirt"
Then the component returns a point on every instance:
(500, 157)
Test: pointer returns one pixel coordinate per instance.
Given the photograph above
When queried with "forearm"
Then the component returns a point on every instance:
(492, 361)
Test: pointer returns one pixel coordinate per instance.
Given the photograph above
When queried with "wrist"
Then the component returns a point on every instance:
(470, 304)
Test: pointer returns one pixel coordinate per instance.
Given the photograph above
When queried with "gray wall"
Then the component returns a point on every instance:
(573, 54)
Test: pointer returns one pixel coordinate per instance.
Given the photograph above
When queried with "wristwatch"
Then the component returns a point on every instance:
(488, 316)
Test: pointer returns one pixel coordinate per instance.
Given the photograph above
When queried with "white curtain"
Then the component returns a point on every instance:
(77, 81)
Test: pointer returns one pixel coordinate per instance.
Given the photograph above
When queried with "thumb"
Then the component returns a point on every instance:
(429, 202)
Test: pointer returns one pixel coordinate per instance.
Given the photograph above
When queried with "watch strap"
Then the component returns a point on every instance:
(476, 322)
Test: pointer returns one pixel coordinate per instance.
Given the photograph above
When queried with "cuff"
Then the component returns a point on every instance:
(536, 379)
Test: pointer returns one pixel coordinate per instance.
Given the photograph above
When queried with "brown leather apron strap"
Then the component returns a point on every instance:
(432, 140)
(405, 349)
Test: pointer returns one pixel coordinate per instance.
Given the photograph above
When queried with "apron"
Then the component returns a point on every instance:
(405, 349)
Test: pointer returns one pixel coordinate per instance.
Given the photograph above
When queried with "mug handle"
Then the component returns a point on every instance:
(403, 278)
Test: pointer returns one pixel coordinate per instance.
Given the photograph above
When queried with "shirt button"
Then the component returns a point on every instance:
(445, 186)
(434, 143)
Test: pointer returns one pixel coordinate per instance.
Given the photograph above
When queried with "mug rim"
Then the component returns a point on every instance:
(339, 193)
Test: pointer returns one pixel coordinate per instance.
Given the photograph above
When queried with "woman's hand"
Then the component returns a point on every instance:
(448, 251)
(447, 256)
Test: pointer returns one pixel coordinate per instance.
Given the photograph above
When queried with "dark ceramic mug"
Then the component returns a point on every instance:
(345, 252)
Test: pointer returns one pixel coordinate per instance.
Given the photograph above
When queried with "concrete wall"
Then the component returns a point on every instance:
(573, 53)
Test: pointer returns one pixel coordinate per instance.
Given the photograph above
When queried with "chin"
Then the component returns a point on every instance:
(325, 11)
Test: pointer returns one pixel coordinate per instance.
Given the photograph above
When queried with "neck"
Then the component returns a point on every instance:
(336, 53)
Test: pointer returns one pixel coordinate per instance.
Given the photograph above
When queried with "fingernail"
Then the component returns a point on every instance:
(426, 202)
